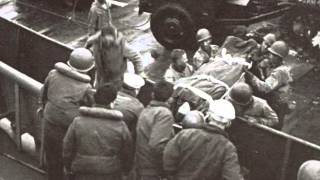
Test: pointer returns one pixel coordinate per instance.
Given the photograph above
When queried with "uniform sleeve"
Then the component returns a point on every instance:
(171, 156)
(161, 133)
(197, 60)
(272, 82)
(231, 166)
(134, 57)
(91, 40)
(69, 149)
(270, 117)
(126, 154)
(93, 20)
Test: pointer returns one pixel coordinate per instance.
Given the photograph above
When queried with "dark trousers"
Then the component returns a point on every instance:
(53, 150)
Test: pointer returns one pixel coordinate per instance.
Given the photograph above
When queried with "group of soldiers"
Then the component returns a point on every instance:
(96, 128)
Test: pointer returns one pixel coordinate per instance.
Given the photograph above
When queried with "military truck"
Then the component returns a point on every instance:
(303, 21)
(174, 22)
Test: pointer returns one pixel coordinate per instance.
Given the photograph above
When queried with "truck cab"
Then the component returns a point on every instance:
(175, 22)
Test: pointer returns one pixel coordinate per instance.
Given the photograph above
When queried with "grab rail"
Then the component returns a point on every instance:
(21, 79)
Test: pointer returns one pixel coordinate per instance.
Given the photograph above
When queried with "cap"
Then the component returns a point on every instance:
(133, 81)
(222, 110)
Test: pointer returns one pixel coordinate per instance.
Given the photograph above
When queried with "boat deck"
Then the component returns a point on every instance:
(16, 165)
(55, 21)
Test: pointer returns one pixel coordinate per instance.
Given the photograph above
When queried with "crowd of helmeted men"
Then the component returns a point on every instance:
(97, 128)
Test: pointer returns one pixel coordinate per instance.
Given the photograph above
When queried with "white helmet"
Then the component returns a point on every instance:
(133, 81)
(309, 170)
(222, 111)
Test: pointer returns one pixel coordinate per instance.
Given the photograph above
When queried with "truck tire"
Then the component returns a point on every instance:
(173, 27)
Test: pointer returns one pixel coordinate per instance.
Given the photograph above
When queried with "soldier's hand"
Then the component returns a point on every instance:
(250, 120)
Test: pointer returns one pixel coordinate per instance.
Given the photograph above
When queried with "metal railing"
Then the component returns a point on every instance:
(20, 80)
(24, 89)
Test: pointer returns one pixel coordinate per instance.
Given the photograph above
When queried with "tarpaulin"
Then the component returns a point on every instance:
(229, 63)
(198, 91)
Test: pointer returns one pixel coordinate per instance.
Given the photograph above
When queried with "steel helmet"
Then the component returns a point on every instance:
(222, 111)
(203, 34)
(279, 48)
(270, 38)
(240, 94)
(309, 170)
(81, 60)
(193, 119)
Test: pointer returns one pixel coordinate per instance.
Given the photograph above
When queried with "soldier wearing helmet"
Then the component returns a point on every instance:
(268, 40)
(260, 53)
(204, 152)
(309, 170)
(65, 89)
(252, 108)
(206, 51)
(275, 86)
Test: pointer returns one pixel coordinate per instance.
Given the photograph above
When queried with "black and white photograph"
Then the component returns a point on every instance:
(159, 89)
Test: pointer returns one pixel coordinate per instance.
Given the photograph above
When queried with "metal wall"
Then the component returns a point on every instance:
(34, 55)
(270, 154)
(29, 51)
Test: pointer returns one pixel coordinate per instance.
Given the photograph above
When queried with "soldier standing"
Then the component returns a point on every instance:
(126, 101)
(260, 54)
(98, 144)
(111, 52)
(99, 16)
(254, 109)
(276, 85)
(206, 51)
(63, 92)
(204, 151)
(154, 130)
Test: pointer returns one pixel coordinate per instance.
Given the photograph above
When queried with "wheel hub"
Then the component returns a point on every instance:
(173, 30)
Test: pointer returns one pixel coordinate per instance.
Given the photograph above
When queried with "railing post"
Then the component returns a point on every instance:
(286, 159)
(17, 115)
